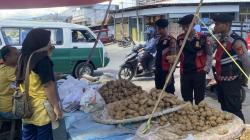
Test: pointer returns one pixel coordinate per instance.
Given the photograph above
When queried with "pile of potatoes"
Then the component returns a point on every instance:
(117, 90)
(141, 105)
(196, 118)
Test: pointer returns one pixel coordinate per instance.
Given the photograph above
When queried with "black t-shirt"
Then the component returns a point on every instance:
(44, 68)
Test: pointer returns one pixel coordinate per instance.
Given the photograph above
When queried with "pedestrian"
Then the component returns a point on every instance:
(41, 84)
(195, 62)
(7, 79)
(228, 75)
(165, 52)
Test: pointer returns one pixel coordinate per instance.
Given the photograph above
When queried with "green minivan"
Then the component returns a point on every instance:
(73, 44)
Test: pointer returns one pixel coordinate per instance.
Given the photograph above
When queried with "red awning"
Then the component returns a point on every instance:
(24, 4)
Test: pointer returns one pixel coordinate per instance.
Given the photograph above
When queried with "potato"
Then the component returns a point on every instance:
(201, 123)
(196, 108)
(204, 114)
(172, 102)
(150, 102)
(163, 118)
(136, 114)
(219, 120)
(201, 110)
(130, 112)
(142, 112)
(228, 116)
(213, 123)
(209, 113)
(183, 128)
(167, 105)
(212, 118)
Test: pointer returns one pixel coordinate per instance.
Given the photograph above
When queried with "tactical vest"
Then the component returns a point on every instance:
(201, 55)
(226, 69)
(164, 45)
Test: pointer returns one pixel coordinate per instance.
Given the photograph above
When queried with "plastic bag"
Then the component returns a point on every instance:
(70, 92)
(91, 101)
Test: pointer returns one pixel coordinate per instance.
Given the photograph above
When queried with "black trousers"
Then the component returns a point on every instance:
(160, 78)
(229, 96)
(145, 60)
(193, 87)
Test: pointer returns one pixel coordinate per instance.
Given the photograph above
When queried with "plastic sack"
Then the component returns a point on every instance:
(91, 101)
(70, 92)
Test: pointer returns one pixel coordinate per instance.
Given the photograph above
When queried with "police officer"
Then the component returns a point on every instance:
(166, 50)
(228, 75)
(195, 62)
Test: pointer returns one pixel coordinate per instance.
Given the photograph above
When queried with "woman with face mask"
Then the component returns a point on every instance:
(42, 86)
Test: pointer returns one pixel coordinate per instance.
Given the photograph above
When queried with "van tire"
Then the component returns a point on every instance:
(81, 67)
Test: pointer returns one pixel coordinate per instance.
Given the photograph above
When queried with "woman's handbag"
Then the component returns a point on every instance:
(21, 106)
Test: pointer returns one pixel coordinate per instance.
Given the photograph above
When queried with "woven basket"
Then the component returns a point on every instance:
(234, 130)
(103, 117)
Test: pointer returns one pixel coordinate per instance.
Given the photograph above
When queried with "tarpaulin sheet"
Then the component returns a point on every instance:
(80, 126)
(24, 4)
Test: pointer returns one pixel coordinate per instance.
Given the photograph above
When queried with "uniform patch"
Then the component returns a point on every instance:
(240, 50)
(208, 42)
(165, 42)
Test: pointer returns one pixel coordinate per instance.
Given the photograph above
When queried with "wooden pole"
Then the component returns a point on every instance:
(99, 34)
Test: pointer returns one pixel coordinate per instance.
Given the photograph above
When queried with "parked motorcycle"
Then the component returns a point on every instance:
(126, 42)
(132, 67)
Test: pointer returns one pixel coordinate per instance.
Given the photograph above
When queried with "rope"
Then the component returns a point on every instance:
(224, 48)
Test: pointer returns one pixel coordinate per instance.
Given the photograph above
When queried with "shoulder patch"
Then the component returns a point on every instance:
(165, 42)
(240, 50)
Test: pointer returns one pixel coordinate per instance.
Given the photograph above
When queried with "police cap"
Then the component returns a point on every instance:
(223, 17)
(162, 23)
(186, 20)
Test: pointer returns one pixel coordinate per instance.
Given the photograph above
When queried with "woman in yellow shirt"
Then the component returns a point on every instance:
(41, 84)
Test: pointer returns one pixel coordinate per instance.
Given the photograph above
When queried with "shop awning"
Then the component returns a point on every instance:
(24, 4)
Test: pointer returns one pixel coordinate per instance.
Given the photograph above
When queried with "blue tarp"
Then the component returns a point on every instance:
(80, 126)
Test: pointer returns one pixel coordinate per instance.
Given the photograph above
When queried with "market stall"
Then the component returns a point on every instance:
(105, 108)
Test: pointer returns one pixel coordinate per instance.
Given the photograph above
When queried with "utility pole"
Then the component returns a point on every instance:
(138, 19)
(122, 32)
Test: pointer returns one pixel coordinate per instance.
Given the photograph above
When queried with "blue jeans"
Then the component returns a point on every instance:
(8, 115)
(33, 132)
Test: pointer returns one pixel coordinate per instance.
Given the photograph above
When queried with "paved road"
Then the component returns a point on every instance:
(117, 55)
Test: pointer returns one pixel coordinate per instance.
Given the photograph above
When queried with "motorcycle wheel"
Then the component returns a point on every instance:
(243, 94)
(125, 73)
